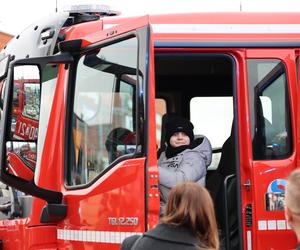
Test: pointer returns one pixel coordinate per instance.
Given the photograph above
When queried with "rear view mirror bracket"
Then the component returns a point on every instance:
(29, 187)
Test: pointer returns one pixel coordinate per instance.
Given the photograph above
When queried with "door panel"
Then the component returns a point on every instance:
(102, 215)
(272, 104)
(106, 169)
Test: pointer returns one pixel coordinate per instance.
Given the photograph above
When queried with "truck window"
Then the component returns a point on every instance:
(270, 109)
(104, 110)
(161, 109)
(207, 113)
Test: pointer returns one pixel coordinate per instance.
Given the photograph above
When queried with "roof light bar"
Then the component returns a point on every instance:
(92, 8)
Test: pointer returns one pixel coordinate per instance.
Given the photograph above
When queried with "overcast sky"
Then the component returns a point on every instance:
(15, 15)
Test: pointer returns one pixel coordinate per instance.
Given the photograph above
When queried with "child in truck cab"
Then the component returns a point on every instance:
(184, 158)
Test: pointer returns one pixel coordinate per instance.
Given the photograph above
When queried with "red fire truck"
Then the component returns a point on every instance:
(102, 79)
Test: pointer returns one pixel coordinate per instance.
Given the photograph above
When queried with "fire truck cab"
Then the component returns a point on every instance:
(104, 89)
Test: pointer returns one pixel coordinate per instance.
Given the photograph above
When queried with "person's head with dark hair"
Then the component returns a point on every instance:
(179, 132)
(118, 136)
(190, 205)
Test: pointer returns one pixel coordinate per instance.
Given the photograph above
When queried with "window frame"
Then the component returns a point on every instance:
(262, 85)
(139, 109)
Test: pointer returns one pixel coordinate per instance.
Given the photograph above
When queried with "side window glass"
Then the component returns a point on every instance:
(207, 113)
(161, 109)
(270, 109)
(104, 110)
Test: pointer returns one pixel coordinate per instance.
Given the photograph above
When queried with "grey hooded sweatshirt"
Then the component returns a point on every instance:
(189, 165)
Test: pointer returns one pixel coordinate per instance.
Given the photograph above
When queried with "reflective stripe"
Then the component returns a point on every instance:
(249, 241)
(94, 236)
(227, 28)
(273, 225)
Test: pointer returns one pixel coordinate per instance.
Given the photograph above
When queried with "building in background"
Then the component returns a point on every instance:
(4, 38)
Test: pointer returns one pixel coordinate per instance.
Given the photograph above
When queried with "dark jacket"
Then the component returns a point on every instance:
(298, 246)
(164, 237)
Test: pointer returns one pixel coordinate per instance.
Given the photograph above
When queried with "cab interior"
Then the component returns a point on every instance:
(200, 86)
(193, 85)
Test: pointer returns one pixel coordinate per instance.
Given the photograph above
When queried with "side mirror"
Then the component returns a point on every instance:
(26, 103)
(29, 83)
(24, 123)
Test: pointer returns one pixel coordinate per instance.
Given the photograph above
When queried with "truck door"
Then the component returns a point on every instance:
(106, 166)
(272, 103)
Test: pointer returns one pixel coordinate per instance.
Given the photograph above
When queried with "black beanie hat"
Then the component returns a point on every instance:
(179, 124)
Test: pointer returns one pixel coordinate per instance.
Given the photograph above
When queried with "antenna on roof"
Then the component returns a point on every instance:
(56, 6)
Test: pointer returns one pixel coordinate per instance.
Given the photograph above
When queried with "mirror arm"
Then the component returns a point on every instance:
(59, 58)
(29, 187)
(15, 204)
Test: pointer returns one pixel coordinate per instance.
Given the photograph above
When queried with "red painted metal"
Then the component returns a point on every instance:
(91, 208)
(16, 235)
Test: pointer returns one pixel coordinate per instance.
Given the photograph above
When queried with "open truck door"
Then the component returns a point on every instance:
(104, 156)
(272, 92)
